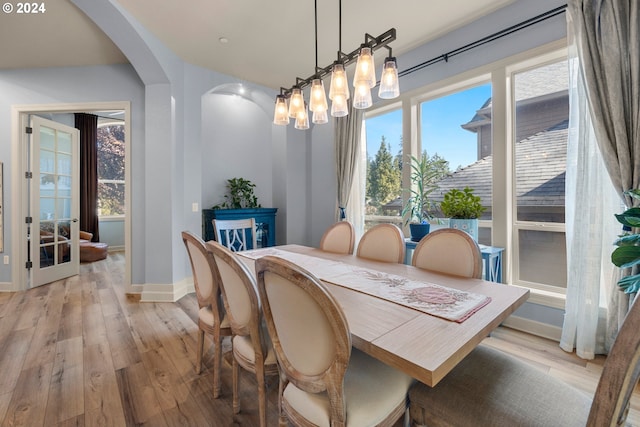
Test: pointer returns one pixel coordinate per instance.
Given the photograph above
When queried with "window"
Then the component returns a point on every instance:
(383, 202)
(457, 128)
(540, 153)
(111, 169)
(503, 132)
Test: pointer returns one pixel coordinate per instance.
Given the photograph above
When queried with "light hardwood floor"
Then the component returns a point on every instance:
(82, 352)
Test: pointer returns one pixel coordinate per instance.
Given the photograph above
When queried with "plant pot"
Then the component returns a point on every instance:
(468, 225)
(418, 231)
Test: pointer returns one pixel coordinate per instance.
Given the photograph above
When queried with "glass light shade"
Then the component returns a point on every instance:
(302, 119)
(317, 98)
(339, 84)
(281, 113)
(339, 107)
(365, 68)
(296, 103)
(362, 95)
(320, 117)
(389, 85)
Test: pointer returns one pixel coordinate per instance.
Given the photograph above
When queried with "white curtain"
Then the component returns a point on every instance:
(355, 209)
(591, 201)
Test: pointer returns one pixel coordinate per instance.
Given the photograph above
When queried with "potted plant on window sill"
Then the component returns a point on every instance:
(463, 208)
(418, 206)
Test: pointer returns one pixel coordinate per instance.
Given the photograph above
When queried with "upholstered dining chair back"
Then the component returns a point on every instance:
(211, 316)
(252, 349)
(450, 251)
(339, 238)
(322, 379)
(501, 390)
(382, 242)
(236, 234)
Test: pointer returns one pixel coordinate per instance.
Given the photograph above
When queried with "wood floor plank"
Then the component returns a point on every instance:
(170, 389)
(66, 389)
(14, 349)
(5, 398)
(123, 347)
(103, 406)
(137, 395)
(43, 345)
(29, 400)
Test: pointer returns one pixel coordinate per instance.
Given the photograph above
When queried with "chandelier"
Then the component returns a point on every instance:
(290, 103)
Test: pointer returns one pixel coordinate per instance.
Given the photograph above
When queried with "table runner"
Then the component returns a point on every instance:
(437, 300)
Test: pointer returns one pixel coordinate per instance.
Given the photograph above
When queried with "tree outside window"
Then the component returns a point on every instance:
(111, 153)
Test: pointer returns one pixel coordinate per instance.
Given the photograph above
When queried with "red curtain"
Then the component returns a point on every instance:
(88, 126)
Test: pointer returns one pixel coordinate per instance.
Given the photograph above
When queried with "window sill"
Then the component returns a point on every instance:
(548, 299)
(111, 218)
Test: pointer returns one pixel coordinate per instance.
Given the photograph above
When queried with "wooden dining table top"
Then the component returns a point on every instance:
(420, 344)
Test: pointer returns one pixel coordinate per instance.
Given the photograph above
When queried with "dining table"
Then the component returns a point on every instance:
(376, 299)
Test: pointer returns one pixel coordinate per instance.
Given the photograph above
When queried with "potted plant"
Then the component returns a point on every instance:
(418, 206)
(627, 253)
(240, 195)
(463, 209)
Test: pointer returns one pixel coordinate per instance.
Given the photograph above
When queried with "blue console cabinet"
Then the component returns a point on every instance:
(265, 222)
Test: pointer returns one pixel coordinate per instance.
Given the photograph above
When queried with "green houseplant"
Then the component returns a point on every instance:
(240, 195)
(627, 253)
(418, 206)
(463, 208)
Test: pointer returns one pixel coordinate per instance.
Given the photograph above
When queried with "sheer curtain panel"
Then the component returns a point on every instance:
(607, 46)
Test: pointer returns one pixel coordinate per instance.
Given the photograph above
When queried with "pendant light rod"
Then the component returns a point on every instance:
(374, 43)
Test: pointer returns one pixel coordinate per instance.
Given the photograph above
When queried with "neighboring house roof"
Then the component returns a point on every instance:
(534, 85)
(540, 171)
(540, 177)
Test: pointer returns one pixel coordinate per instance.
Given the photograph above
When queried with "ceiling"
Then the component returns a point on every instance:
(267, 42)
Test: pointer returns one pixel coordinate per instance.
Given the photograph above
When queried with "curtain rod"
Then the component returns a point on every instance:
(507, 31)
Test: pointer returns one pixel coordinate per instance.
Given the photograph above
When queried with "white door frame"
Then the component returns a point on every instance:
(19, 187)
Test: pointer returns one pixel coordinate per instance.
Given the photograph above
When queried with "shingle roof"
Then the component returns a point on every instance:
(540, 165)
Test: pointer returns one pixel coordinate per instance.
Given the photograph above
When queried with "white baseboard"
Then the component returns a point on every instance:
(534, 327)
(170, 292)
(7, 287)
(119, 248)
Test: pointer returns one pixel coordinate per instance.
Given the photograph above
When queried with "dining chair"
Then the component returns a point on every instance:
(212, 318)
(450, 251)
(382, 242)
(232, 233)
(492, 388)
(252, 349)
(339, 238)
(323, 380)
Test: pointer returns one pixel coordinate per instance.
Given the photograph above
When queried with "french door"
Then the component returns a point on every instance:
(54, 202)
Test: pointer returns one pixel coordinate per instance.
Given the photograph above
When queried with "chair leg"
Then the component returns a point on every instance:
(262, 395)
(283, 420)
(199, 351)
(236, 381)
(217, 361)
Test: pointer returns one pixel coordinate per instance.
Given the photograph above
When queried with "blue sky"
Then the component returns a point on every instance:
(441, 131)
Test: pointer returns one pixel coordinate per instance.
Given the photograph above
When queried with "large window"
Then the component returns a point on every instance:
(111, 182)
(503, 133)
